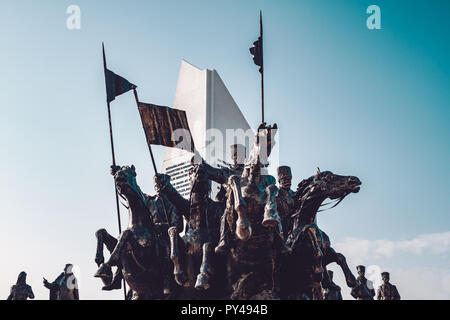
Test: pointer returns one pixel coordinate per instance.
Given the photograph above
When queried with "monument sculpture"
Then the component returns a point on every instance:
(311, 247)
(65, 286)
(195, 267)
(363, 290)
(253, 217)
(238, 156)
(333, 292)
(256, 240)
(387, 291)
(141, 251)
(285, 199)
(21, 290)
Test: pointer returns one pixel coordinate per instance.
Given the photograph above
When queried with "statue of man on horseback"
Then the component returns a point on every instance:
(141, 253)
(195, 266)
(305, 273)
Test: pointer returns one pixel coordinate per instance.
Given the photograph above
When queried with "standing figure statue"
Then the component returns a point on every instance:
(21, 290)
(196, 268)
(304, 272)
(334, 291)
(387, 291)
(65, 286)
(141, 251)
(364, 288)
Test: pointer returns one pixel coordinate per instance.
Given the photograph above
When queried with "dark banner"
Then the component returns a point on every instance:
(166, 126)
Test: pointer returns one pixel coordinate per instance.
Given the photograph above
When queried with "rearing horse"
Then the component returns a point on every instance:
(138, 251)
(253, 216)
(196, 267)
(305, 270)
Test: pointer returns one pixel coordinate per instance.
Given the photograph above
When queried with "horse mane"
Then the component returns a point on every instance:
(302, 186)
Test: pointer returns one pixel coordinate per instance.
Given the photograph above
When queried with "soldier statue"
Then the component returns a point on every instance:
(334, 291)
(65, 286)
(162, 217)
(364, 288)
(285, 200)
(387, 291)
(238, 153)
(21, 290)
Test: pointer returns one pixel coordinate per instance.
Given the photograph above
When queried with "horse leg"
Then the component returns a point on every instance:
(271, 217)
(332, 256)
(273, 220)
(243, 228)
(114, 259)
(204, 277)
(224, 234)
(178, 272)
(103, 239)
(317, 268)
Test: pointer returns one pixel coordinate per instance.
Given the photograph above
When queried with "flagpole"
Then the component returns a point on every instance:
(262, 65)
(113, 158)
(153, 160)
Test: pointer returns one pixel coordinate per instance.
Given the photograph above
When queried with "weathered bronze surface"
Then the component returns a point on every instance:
(196, 268)
(333, 292)
(141, 253)
(363, 290)
(21, 290)
(255, 241)
(65, 286)
(304, 272)
(387, 291)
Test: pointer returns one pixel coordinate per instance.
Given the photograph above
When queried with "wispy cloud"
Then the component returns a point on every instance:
(415, 279)
(413, 283)
(361, 249)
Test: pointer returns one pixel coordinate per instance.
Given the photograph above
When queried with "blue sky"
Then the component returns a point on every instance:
(369, 103)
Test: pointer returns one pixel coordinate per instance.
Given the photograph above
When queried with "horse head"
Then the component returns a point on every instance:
(199, 179)
(128, 189)
(312, 192)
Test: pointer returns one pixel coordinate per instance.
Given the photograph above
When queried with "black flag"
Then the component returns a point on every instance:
(257, 49)
(116, 85)
(166, 126)
(257, 53)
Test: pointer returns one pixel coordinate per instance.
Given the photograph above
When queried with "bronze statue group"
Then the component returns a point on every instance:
(254, 241)
(64, 287)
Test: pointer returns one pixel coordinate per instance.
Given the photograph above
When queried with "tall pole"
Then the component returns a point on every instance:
(153, 161)
(262, 65)
(113, 157)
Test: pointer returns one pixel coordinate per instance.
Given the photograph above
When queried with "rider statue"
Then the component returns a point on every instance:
(21, 290)
(65, 287)
(161, 211)
(238, 152)
(334, 291)
(364, 288)
(387, 291)
(201, 232)
(285, 198)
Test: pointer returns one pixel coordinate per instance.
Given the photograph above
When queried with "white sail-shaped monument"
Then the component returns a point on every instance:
(215, 121)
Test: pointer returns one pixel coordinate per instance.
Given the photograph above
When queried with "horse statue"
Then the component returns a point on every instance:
(252, 216)
(304, 271)
(196, 267)
(141, 252)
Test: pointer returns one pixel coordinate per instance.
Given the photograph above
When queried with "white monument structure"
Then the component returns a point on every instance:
(215, 121)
